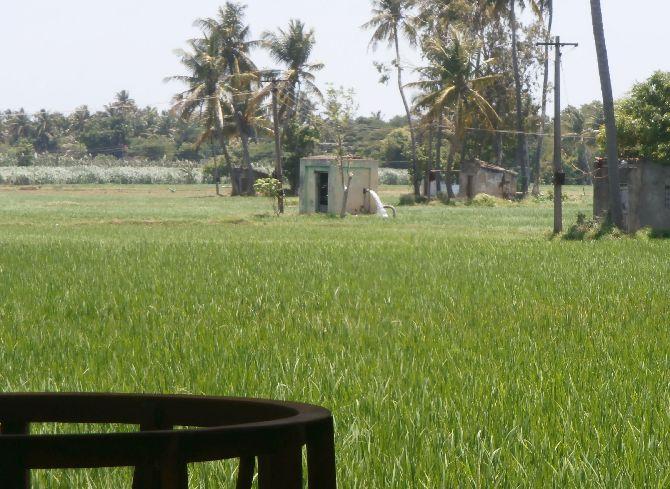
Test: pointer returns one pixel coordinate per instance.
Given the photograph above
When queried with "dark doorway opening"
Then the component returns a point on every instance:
(321, 192)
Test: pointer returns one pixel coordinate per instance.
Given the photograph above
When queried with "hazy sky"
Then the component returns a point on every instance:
(60, 54)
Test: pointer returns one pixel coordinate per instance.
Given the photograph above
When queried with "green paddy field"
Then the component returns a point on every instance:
(457, 346)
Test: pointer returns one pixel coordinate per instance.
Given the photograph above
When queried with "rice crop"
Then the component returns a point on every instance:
(457, 346)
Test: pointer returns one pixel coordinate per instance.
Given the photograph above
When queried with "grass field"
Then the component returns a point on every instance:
(457, 346)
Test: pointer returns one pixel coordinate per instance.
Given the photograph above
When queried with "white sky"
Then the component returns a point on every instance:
(58, 54)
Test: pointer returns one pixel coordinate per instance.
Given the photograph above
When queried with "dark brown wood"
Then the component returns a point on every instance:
(213, 428)
(321, 455)
(174, 475)
(13, 472)
(148, 475)
(282, 470)
(245, 474)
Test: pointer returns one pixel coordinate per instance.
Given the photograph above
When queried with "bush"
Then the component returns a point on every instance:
(101, 161)
(485, 200)
(589, 229)
(99, 175)
(74, 150)
(411, 199)
(188, 151)
(214, 170)
(154, 148)
(269, 187)
(390, 176)
(407, 199)
(24, 153)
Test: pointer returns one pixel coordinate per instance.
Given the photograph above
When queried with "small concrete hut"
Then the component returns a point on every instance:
(479, 177)
(645, 193)
(321, 185)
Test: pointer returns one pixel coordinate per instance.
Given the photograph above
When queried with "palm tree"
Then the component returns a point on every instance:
(19, 126)
(46, 132)
(579, 128)
(509, 7)
(450, 82)
(121, 113)
(208, 94)
(77, 120)
(231, 35)
(548, 7)
(293, 48)
(615, 210)
(391, 19)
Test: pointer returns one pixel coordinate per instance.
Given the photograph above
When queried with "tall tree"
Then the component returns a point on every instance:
(18, 127)
(510, 6)
(548, 9)
(293, 48)
(46, 132)
(451, 83)
(580, 130)
(616, 211)
(229, 30)
(206, 92)
(390, 19)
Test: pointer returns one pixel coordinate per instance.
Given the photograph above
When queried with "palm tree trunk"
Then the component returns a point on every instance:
(410, 123)
(587, 167)
(438, 154)
(229, 165)
(429, 161)
(246, 158)
(450, 166)
(455, 145)
(499, 147)
(522, 154)
(545, 91)
(582, 159)
(615, 210)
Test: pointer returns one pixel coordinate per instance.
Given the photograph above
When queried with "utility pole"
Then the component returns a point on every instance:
(559, 174)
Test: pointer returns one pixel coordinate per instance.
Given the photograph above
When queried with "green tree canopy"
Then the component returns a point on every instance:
(397, 146)
(643, 120)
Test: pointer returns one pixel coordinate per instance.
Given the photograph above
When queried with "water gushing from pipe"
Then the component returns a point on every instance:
(381, 212)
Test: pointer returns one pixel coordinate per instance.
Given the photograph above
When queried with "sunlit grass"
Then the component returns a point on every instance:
(456, 346)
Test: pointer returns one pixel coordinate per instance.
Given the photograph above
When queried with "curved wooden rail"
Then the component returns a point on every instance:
(173, 432)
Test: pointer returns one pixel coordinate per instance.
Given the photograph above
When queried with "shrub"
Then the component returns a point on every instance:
(269, 187)
(589, 229)
(154, 148)
(24, 152)
(188, 151)
(99, 175)
(407, 199)
(390, 176)
(484, 200)
(214, 170)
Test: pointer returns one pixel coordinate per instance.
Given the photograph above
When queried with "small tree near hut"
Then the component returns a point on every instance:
(339, 114)
(269, 187)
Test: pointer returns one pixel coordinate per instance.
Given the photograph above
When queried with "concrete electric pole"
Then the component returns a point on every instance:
(559, 175)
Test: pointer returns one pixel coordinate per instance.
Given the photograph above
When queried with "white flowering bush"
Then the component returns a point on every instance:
(391, 176)
(65, 160)
(44, 175)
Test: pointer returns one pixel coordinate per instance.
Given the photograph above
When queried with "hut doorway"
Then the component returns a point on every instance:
(321, 191)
